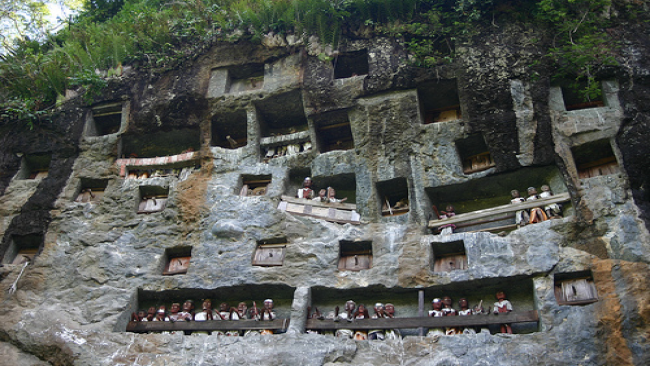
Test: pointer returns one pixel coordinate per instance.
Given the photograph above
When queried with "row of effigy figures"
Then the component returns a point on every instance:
(443, 307)
(186, 313)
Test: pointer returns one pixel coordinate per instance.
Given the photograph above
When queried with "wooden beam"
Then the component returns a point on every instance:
(475, 215)
(427, 322)
(340, 221)
(210, 325)
(334, 126)
(306, 202)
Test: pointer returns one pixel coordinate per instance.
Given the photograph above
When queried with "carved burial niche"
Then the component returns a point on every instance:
(486, 202)
(245, 78)
(23, 248)
(333, 131)
(176, 260)
(270, 252)
(152, 199)
(393, 196)
(106, 119)
(474, 154)
(162, 143)
(345, 186)
(595, 158)
(447, 257)
(439, 101)
(254, 185)
(34, 166)
(575, 288)
(230, 129)
(282, 114)
(355, 255)
(350, 64)
(576, 96)
(91, 190)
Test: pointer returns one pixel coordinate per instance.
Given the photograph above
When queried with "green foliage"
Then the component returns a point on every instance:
(580, 44)
(159, 34)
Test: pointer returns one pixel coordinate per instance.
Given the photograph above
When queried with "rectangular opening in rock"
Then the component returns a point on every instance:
(230, 129)
(326, 299)
(281, 115)
(344, 185)
(355, 255)
(519, 290)
(252, 295)
(333, 131)
(270, 252)
(152, 199)
(484, 204)
(162, 143)
(34, 166)
(474, 154)
(91, 190)
(577, 96)
(23, 248)
(393, 196)
(447, 257)
(576, 288)
(245, 78)
(106, 119)
(254, 185)
(350, 64)
(176, 260)
(439, 101)
(595, 158)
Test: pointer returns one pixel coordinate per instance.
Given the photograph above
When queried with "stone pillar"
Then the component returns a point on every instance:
(301, 300)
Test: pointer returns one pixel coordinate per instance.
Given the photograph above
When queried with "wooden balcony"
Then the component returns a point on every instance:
(495, 218)
(343, 213)
(210, 325)
(426, 322)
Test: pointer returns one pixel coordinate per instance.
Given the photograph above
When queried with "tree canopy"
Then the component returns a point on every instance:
(159, 34)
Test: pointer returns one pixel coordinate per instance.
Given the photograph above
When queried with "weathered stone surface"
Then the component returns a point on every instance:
(101, 261)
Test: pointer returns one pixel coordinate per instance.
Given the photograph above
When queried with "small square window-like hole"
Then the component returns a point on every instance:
(333, 131)
(106, 120)
(177, 260)
(152, 199)
(230, 129)
(439, 101)
(449, 257)
(270, 252)
(576, 288)
(350, 64)
(35, 166)
(577, 96)
(355, 255)
(91, 190)
(474, 154)
(23, 248)
(246, 78)
(393, 196)
(254, 185)
(595, 158)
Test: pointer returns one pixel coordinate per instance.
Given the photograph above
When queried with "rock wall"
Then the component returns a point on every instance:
(100, 261)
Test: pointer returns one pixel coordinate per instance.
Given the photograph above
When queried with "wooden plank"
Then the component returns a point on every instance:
(302, 201)
(475, 215)
(326, 219)
(427, 322)
(210, 325)
(496, 228)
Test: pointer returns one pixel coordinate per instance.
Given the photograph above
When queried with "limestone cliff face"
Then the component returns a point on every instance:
(259, 119)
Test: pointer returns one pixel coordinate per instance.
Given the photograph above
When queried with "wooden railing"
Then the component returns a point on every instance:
(426, 322)
(501, 217)
(209, 325)
(343, 213)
